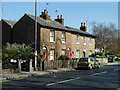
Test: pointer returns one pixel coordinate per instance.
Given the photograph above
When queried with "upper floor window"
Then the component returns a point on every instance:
(90, 41)
(77, 54)
(63, 37)
(77, 39)
(84, 40)
(51, 35)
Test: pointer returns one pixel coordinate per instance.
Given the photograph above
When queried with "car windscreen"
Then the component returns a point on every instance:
(83, 60)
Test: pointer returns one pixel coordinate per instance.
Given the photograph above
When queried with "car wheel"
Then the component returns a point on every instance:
(99, 66)
(90, 67)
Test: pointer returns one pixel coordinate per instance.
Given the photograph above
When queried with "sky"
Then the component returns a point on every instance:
(73, 12)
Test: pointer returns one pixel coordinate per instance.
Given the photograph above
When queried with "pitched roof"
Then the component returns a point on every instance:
(80, 31)
(11, 23)
(48, 23)
(57, 25)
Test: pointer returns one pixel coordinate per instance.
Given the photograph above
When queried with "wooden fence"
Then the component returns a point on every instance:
(59, 64)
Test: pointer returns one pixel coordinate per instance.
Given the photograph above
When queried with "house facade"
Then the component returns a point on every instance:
(7, 29)
(53, 38)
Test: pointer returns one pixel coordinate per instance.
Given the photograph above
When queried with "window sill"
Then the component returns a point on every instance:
(64, 42)
(77, 43)
(52, 41)
(84, 43)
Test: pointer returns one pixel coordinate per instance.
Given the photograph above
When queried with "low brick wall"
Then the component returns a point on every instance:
(9, 71)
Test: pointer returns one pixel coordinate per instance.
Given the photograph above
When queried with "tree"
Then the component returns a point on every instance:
(107, 37)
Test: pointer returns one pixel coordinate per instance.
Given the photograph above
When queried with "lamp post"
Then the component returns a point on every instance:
(35, 35)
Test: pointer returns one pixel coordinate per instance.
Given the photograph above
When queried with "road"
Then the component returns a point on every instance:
(105, 77)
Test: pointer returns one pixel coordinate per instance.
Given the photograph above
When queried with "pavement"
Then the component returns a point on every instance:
(22, 75)
(16, 76)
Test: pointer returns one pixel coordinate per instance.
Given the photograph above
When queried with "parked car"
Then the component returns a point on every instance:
(111, 58)
(88, 63)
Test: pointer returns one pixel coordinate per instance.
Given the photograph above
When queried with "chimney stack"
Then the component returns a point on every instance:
(60, 20)
(83, 28)
(45, 15)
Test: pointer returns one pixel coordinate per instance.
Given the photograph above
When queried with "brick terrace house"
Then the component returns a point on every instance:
(7, 28)
(54, 38)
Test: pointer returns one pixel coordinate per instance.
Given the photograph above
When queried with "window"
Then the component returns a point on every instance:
(84, 40)
(90, 53)
(77, 39)
(63, 51)
(84, 53)
(52, 54)
(77, 54)
(63, 37)
(90, 41)
(51, 35)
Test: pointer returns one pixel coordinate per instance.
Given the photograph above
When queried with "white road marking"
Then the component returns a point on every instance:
(99, 73)
(50, 84)
(103, 72)
(116, 69)
(62, 81)
(78, 78)
(95, 74)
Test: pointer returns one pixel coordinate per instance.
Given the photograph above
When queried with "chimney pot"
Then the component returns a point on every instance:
(81, 24)
(60, 16)
(84, 24)
(45, 12)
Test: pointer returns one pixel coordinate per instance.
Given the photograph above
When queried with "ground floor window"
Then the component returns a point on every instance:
(63, 51)
(90, 53)
(77, 53)
(84, 52)
(52, 54)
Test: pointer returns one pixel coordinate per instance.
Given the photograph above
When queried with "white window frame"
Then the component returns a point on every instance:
(77, 53)
(90, 52)
(84, 40)
(52, 51)
(78, 42)
(63, 37)
(63, 51)
(52, 35)
(90, 41)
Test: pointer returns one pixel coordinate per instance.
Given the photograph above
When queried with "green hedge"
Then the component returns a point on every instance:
(63, 57)
(100, 56)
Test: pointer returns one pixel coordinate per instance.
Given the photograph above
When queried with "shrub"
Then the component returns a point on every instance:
(100, 56)
(63, 57)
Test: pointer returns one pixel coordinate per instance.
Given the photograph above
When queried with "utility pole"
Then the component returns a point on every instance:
(35, 35)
